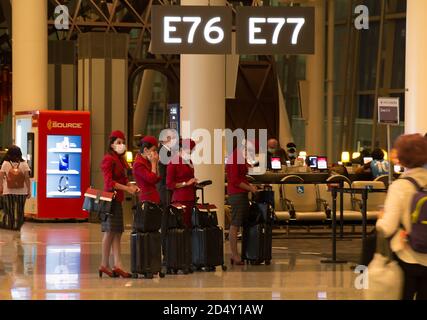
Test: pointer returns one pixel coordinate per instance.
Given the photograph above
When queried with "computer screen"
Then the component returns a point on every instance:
(312, 161)
(367, 159)
(276, 164)
(322, 163)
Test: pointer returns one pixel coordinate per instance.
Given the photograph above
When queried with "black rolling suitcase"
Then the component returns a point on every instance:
(146, 256)
(208, 248)
(207, 237)
(147, 217)
(257, 243)
(178, 250)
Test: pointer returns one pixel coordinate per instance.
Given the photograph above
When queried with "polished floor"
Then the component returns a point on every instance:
(59, 261)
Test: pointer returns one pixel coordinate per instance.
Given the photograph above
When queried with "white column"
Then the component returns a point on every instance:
(29, 55)
(203, 104)
(143, 102)
(416, 68)
(315, 76)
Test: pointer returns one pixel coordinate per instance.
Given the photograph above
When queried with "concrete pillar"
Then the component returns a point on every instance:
(62, 91)
(29, 55)
(315, 76)
(330, 99)
(102, 90)
(416, 68)
(202, 93)
(143, 102)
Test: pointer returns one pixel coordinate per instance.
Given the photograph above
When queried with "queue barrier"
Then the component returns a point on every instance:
(364, 192)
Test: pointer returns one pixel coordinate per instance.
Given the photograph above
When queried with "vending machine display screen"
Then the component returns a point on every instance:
(64, 157)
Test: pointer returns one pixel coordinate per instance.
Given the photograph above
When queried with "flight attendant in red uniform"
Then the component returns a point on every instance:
(145, 170)
(114, 169)
(180, 178)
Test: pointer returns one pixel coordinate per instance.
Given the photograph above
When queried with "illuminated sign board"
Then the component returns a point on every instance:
(207, 30)
(275, 30)
(190, 29)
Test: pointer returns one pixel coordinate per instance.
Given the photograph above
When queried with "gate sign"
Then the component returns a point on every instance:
(191, 29)
(275, 30)
(207, 30)
(388, 111)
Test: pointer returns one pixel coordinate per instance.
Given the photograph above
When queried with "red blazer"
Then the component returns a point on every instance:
(146, 180)
(114, 169)
(177, 172)
(236, 174)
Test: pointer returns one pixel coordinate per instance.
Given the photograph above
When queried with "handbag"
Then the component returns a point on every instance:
(98, 201)
(385, 277)
(204, 216)
(369, 244)
(147, 217)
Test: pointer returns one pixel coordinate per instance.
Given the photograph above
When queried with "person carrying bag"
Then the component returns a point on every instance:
(385, 277)
(404, 217)
(15, 188)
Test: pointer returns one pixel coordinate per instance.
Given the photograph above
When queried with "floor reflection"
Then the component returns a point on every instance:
(60, 261)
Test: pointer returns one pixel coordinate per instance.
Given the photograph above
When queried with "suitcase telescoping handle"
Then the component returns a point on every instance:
(201, 186)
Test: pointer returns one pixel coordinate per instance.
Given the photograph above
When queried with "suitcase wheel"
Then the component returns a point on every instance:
(267, 262)
(148, 275)
(162, 274)
(224, 267)
(135, 275)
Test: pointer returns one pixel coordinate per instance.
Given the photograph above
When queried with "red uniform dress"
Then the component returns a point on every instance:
(236, 174)
(146, 180)
(114, 169)
(178, 171)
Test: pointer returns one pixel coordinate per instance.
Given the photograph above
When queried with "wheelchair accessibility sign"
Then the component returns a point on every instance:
(300, 189)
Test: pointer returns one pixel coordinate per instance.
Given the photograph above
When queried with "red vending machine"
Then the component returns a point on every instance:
(56, 145)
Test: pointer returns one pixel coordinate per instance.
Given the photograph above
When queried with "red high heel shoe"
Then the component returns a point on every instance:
(109, 273)
(237, 263)
(121, 273)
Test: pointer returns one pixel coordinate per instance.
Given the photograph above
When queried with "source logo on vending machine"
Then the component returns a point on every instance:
(64, 125)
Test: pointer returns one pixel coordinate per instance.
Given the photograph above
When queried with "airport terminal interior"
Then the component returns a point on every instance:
(321, 89)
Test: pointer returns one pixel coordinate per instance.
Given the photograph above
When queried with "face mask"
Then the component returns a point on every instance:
(172, 143)
(120, 148)
(292, 155)
(186, 156)
(271, 150)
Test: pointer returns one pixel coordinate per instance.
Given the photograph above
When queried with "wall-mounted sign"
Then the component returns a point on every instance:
(275, 30)
(207, 30)
(190, 29)
(388, 111)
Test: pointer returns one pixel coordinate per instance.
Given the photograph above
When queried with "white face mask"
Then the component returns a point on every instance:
(172, 143)
(186, 156)
(119, 148)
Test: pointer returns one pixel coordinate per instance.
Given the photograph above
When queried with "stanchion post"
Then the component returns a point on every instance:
(334, 229)
(341, 209)
(364, 211)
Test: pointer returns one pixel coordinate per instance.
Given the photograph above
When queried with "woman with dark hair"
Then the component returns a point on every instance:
(395, 221)
(238, 188)
(145, 170)
(114, 168)
(379, 166)
(14, 186)
(180, 178)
